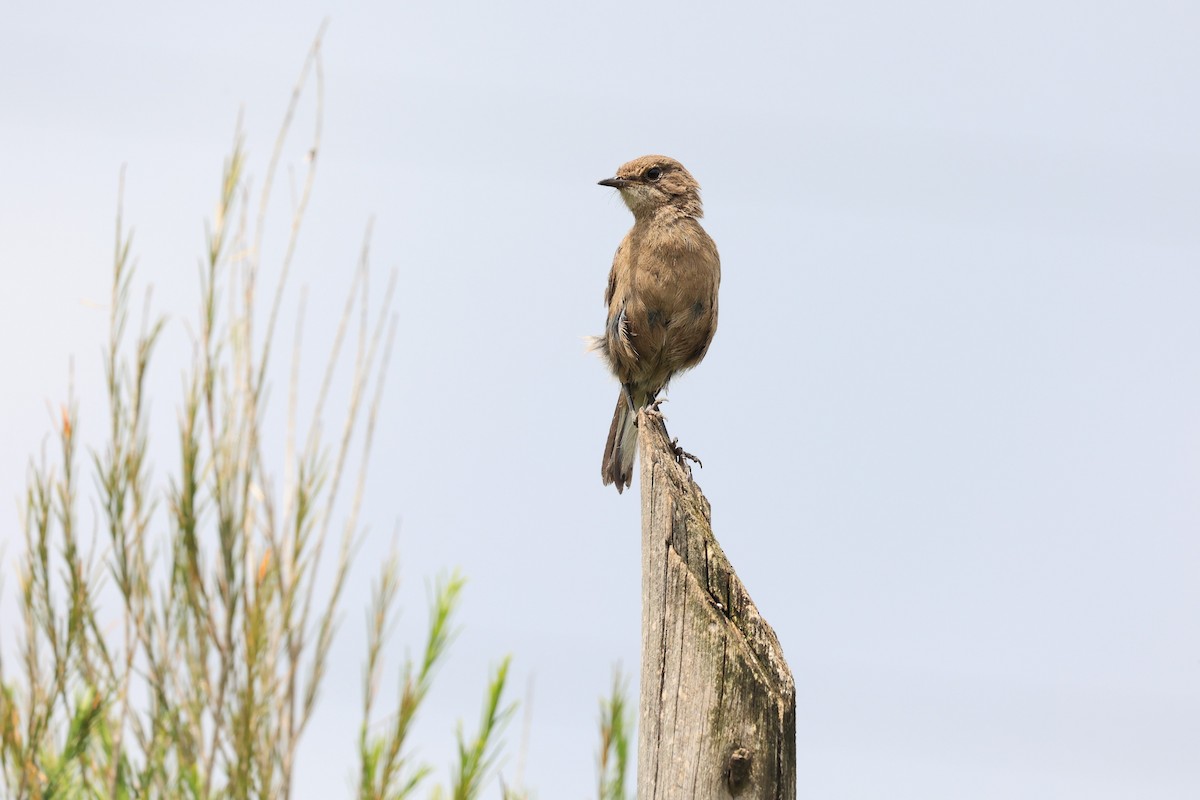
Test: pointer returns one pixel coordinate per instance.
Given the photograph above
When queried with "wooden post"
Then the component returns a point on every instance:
(717, 715)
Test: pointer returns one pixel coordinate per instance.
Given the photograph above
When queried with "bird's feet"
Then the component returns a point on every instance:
(683, 456)
(653, 410)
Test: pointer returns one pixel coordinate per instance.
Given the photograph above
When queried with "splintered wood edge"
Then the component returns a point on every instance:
(693, 540)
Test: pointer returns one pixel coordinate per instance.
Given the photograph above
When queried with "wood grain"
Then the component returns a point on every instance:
(717, 712)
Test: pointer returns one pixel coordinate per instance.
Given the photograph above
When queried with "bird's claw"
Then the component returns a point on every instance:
(683, 456)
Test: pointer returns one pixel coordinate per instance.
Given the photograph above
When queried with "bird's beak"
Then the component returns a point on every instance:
(616, 183)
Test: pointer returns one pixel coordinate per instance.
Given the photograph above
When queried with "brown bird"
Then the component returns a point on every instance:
(661, 297)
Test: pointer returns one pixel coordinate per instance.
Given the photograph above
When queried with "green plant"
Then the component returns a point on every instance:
(615, 729)
(204, 680)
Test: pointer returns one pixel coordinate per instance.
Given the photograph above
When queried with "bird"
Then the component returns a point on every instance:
(661, 297)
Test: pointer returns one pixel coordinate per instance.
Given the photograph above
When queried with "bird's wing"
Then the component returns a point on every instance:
(612, 279)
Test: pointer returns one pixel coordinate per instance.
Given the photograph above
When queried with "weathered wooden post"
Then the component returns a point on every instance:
(717, 715)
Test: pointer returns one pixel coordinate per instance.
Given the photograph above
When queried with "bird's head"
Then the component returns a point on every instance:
(653, 182)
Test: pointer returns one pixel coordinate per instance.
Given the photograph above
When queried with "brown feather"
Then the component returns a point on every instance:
(661, 296)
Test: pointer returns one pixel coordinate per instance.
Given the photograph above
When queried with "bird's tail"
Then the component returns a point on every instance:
(621, 447)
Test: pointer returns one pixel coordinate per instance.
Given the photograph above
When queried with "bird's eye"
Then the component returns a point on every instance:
(653, 174)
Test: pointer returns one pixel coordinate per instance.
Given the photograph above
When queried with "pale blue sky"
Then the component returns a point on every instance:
(949, 422)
